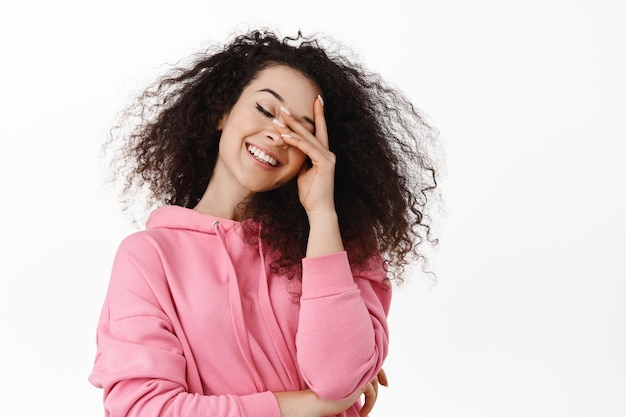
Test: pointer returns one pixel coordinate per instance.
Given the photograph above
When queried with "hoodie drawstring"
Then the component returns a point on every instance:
(237, 311)
(272, 325)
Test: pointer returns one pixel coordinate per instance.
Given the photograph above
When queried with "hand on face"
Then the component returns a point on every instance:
(315, 183)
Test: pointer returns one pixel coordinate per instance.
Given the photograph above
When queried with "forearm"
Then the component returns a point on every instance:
(342, 333)
(324, 234)
(306, 403)
(162, 398)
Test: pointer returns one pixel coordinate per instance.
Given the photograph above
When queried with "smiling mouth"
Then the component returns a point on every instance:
(262, 156)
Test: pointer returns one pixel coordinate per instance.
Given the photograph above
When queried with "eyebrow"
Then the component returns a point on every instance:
(282, 100)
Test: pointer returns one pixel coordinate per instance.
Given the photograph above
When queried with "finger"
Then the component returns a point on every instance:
(320, 136)
(315, 151)
(292, 132)
(370, 400)
(374, 383)
(292, 125)
(321, 131)
(382, 378)
(295, 134)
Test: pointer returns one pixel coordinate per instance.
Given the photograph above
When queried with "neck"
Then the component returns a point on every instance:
(221, 198)
(220, 203)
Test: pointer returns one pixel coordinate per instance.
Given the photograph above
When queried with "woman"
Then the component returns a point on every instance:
(291, 183)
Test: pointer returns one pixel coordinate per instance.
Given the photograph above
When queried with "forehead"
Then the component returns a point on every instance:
(291, 85)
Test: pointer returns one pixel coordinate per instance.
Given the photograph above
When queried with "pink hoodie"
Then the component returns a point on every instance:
(194, 324)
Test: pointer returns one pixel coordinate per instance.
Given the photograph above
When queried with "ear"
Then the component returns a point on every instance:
(220, 124)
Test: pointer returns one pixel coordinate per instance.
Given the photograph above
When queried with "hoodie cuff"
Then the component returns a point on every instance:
(263, 404)
(327, 275)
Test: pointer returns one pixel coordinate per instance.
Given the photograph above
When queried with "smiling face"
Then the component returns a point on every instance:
(252, 155)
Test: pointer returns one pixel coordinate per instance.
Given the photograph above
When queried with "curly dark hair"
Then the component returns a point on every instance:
(385, 169)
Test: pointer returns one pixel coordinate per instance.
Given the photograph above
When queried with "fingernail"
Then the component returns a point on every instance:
(278, 123)
(286, 135)
(285, 110)
(321, 100)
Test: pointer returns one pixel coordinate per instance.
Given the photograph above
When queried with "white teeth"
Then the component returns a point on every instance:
(262, 156)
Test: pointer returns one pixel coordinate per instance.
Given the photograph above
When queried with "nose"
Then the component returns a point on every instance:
(277, 139)
(274, 136)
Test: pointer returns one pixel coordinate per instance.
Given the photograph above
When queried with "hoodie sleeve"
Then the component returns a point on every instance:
(342, 337)
(139, 361)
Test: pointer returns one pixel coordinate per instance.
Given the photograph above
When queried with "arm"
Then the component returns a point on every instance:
(342, 333)
(307, 404)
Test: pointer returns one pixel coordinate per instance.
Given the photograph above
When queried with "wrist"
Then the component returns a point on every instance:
(324, 234)
(323, 217)
(297, 403)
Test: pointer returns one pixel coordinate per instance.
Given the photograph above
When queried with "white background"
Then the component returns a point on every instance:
(528, 317)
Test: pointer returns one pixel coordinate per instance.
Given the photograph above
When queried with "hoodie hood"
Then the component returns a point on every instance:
(176, 217)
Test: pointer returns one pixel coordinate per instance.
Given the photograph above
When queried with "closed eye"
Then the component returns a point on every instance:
(265, 112)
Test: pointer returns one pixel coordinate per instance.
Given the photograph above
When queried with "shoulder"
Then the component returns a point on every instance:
(146, 252)
(140, 243)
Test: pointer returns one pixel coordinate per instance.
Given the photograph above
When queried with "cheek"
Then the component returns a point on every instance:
(225, 145)
(297, 159)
